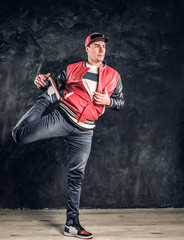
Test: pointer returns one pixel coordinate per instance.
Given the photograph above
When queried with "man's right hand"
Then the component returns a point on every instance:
(40, 80)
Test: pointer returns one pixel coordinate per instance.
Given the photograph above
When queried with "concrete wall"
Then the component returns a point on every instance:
(137, 157)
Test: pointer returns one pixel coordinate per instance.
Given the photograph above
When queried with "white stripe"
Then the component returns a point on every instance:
(90, 85)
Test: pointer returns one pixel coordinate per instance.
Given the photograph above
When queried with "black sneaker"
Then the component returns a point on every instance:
(51, 94)
(76, 230)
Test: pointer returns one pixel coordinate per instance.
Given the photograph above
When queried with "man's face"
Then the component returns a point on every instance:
(96, 51)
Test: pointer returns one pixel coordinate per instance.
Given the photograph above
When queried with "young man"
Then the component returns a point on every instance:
(82, 92)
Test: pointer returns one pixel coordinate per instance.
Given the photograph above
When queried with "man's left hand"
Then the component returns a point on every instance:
(102, 98)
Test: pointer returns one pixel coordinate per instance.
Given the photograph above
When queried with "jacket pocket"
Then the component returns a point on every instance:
(67, 95)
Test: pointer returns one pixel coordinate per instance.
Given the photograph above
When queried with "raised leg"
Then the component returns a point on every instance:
(33, 126)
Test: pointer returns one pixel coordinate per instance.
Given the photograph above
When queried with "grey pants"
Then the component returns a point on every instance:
(34, 126)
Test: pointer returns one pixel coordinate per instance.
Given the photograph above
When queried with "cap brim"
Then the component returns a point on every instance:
(105, 39)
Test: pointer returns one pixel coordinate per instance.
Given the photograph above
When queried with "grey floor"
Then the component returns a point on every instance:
(108, 224)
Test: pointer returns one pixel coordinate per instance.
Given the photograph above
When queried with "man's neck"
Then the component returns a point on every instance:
(94, 63)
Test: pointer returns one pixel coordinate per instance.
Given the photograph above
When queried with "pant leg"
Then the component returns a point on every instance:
(33, 126)
(34, 113)
(79, 147)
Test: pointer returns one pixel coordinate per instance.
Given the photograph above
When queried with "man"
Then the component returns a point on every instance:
(82, 92)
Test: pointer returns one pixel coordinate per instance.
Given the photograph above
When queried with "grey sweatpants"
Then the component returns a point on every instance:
(34, 126)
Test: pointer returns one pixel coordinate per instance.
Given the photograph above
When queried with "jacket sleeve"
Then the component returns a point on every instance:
(117, 98)
(60, 81)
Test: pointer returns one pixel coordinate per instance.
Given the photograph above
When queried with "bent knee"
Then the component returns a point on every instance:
(16, 135)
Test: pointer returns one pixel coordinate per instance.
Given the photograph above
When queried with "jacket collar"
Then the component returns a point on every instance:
(104, 64)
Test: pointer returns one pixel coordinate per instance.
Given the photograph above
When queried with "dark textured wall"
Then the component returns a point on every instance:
(137, 157)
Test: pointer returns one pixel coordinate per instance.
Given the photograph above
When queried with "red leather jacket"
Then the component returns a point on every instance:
(76, 97)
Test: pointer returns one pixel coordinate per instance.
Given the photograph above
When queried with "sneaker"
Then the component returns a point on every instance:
(74, 229)
(51, 94)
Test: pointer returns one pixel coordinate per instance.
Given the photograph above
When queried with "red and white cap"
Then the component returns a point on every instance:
(95, 37)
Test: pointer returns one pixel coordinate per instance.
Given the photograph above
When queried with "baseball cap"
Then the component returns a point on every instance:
(95, 37)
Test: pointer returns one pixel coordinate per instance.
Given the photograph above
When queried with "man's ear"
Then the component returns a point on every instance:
(87, 49)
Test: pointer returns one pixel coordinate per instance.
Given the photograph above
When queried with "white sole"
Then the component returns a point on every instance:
(73, 235)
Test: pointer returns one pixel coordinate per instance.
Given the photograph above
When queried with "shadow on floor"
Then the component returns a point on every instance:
(46, 217)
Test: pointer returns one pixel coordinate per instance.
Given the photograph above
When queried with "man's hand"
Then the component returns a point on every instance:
(39, 80)
(102, 99)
